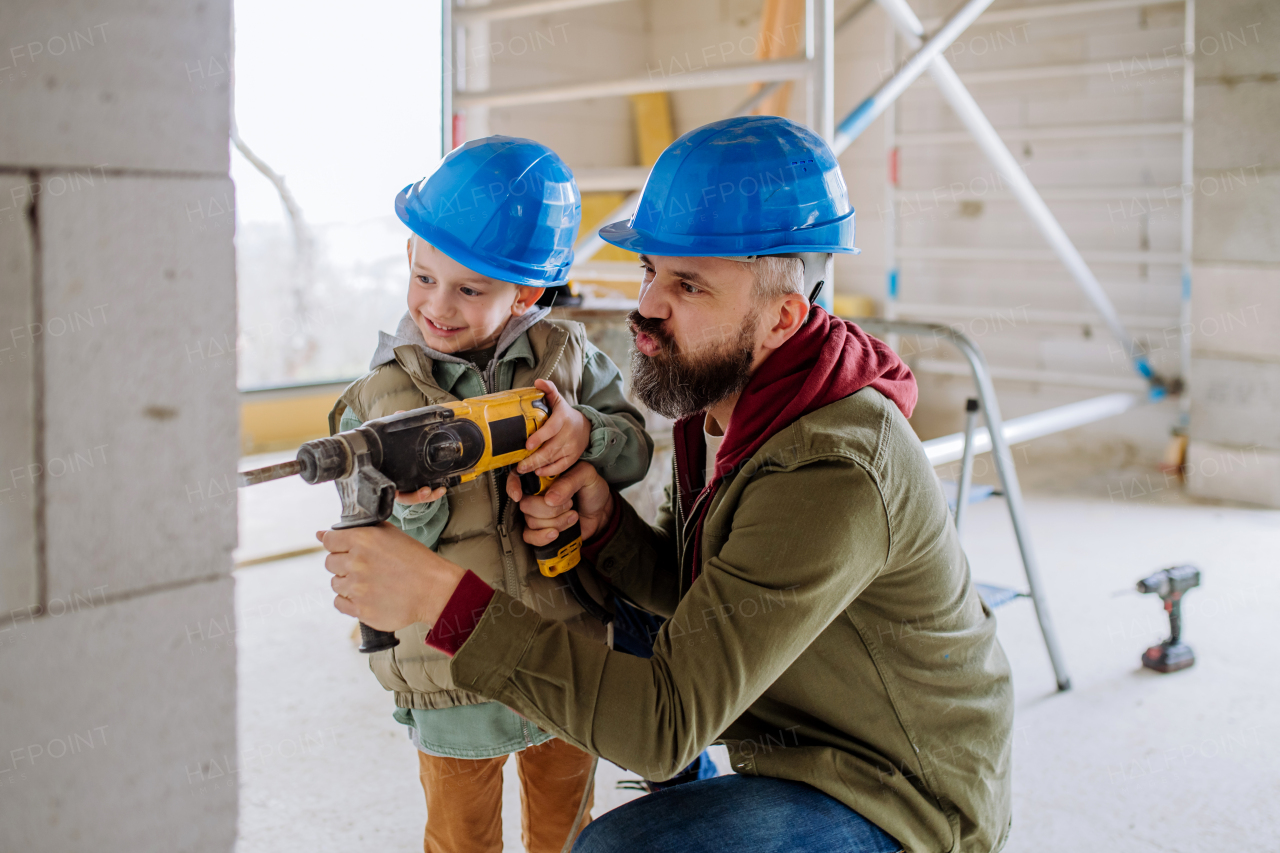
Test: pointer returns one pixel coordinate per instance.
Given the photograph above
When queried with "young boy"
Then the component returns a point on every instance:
(492, 227)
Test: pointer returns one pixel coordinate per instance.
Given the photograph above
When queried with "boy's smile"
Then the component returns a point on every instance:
(455, 308)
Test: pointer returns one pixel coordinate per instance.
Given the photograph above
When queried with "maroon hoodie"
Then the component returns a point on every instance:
(827, 360)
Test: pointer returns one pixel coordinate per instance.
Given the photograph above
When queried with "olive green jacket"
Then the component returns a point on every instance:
(832, 636)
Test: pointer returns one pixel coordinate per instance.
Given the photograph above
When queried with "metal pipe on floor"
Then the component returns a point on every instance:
(989, 141)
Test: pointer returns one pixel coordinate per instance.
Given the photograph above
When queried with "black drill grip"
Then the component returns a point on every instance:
(564, 553)
(372, 640)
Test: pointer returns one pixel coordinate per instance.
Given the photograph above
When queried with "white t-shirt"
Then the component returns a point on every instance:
(713, 447)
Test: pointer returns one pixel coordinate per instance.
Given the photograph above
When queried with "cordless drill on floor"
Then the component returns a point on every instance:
(433, 446)
(1170, 584)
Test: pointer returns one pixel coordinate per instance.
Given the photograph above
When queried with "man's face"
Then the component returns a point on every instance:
(696, 331)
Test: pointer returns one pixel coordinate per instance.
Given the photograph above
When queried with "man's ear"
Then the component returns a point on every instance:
(790, 313)
(525, 298)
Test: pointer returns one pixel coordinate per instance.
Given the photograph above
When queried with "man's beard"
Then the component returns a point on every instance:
(677, 384)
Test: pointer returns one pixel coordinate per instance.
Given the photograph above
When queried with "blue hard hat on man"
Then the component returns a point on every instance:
(741, 188)
(505, 207)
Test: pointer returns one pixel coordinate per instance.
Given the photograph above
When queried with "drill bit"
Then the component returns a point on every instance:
(270, 472)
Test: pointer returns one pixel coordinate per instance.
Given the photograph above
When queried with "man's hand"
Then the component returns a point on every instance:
(386, 578)
(560, 441)
(546, 515)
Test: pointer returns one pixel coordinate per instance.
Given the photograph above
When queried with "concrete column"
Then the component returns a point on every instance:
(1234, 448)
(117, 427)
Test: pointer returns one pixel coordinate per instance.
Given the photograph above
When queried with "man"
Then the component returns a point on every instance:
(822, 624)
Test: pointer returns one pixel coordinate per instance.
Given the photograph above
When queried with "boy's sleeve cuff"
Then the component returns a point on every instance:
(592, 547)
(461, 614)
(606, 441)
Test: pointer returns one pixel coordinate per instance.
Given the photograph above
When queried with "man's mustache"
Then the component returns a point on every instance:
(651, 327)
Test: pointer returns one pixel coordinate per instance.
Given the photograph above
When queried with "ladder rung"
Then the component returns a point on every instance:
(1170, 194)
(1048, 10)
(764, 71)
(999, 318)
(1075, 131)
(1076, 69)
(509, 11)
(968, 253)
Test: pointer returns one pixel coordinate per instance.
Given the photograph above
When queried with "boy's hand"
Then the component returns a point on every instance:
(561, 440)
(425, 495)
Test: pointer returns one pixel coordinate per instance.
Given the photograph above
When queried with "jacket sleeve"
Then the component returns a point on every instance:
(804, 543)
(620, 449)
(640, 559)
(424, 522)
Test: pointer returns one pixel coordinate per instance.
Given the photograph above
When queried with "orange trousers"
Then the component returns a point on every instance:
(464, 799)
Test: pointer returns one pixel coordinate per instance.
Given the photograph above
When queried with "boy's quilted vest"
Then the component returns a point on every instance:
(475, 537)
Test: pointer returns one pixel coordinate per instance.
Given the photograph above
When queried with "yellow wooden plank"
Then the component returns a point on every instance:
(283, 423)
(654, 130)
(781, 35)
(595, 207)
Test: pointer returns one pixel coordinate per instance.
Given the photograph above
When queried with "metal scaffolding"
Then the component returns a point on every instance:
(817, 69)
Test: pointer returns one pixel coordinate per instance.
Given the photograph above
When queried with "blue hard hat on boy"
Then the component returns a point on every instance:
(753, 185)
(505, 207)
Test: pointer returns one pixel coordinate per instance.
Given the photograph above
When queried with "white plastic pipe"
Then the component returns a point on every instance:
(949, 448)
(989, 141)
(871, 108)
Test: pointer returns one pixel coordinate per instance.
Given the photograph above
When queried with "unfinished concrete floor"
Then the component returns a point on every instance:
(1128, 760)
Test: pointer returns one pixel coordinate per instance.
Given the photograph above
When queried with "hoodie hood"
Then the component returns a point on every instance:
(409, 333)
(827, 360)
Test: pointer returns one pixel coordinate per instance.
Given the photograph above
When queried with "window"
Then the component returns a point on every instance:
(343, 103)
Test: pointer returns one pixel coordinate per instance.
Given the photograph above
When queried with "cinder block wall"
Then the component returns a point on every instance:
(117, 656)
(1234, 452)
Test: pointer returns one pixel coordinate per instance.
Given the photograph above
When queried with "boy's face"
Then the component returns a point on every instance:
(457, 309)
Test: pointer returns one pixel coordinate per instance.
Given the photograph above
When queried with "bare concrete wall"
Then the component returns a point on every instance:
(117, 699)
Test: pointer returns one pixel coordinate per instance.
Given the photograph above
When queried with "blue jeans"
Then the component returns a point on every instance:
(735, 814)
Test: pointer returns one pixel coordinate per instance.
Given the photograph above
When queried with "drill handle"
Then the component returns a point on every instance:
(367, 498)
(1174, 607)
(563, 554)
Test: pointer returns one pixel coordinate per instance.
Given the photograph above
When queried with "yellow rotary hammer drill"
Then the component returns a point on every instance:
(434, 446)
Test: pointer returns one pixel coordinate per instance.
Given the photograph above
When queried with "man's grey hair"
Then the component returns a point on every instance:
(777, 277)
